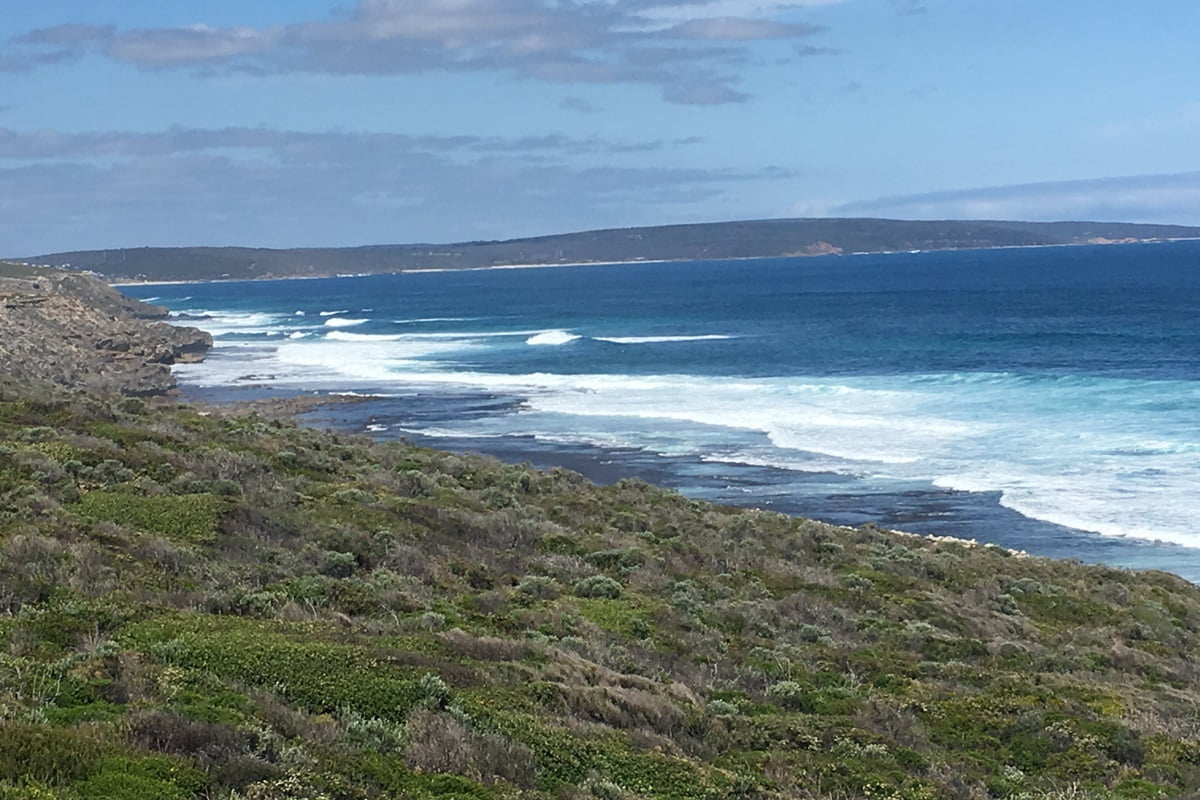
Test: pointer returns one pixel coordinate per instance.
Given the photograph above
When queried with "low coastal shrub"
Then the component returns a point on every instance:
(597, 586)
(229, 606)
(187, 517)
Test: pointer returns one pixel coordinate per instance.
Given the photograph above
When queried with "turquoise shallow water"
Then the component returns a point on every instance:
(1042, 398)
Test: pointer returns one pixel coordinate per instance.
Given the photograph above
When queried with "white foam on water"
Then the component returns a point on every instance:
(800, 462)
(552, 338)
(463, 335)
(347, 336)
(435, 432)
(708, 337)
(1118, 457)
(467, 339)
(231, 323)
(1088, 453)
(351, 393)
(333, 313)
(344, 322)
(1156, 508)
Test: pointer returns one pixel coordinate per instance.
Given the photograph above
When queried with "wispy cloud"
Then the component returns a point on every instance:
(602, 41)
(67, 35)
(909, 7)
(285, 188)
(578, 104)
(299, 147)
(740, 29)
(1172, 198)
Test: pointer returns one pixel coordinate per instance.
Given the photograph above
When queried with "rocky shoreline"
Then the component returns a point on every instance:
(71, 329)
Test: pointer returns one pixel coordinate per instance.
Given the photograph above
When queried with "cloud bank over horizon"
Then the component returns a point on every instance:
(1167, 199)
(256, 187)
(265, 187)
(313, 122)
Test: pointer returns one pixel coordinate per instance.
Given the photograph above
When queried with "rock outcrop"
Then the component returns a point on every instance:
(72, 329)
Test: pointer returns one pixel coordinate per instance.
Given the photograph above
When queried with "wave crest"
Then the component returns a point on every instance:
(552, 338)
(708, 337)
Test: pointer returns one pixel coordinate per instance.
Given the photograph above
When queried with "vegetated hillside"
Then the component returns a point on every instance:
(748, 239)
(196, 604)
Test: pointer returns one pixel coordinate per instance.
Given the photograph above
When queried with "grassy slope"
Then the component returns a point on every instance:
(218, 606)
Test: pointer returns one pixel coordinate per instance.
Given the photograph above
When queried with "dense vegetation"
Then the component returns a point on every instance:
(748, 239)
(199, 604)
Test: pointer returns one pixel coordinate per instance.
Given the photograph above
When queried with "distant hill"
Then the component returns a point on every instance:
(746, 239)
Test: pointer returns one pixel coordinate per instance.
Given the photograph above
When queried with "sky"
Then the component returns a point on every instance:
(298, 123)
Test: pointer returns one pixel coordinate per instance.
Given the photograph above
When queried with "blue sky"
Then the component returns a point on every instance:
(307, 122)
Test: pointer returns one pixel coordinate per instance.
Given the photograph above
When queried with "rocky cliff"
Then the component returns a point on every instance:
(71, 329)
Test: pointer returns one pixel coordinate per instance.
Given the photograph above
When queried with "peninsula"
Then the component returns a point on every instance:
(719, 240)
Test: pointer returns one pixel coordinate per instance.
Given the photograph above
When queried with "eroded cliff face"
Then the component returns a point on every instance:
(71, 329)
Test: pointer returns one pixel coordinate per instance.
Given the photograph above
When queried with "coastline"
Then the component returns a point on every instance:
(297, 583)
(969, 518)
(571, 264)
(708, 465)
(322, 411)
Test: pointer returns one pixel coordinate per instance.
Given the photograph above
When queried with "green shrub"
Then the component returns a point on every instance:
(597, 586)
(53, 755)
(338, 565)
(721, 708)
(372, 733)
(433, 690)
(811, 633)
(148, 778)
(537, 587)
(28, 790)
(317, 675)
(618, 558)
(187, 517)
(788, 693)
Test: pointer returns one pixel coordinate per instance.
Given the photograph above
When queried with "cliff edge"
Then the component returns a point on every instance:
(72, 329)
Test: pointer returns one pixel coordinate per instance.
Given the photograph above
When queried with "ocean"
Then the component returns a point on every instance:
(1043, 399)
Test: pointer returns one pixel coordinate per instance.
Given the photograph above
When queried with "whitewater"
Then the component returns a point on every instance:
(1045, 398)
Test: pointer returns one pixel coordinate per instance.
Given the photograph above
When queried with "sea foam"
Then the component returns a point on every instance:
(555, 337)
(802, 385)
(709, 337)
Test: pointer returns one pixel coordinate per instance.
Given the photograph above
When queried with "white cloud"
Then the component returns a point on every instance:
(703, 94)
(67, 191)
(190, 45)
(739, 29)
(717, 9)
(626, 41)
(1173, 198)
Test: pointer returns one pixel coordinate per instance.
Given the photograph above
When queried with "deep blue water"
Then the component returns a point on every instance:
(1045, 399)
